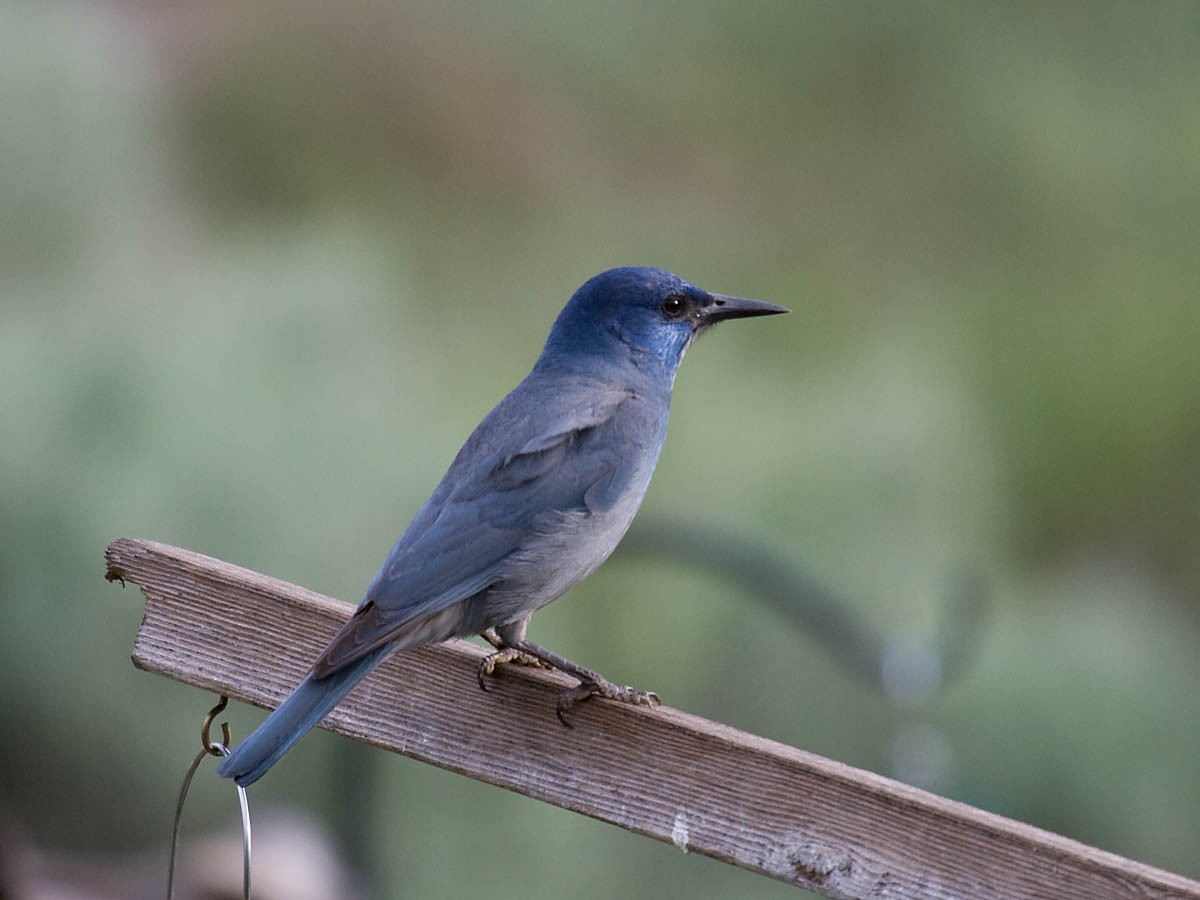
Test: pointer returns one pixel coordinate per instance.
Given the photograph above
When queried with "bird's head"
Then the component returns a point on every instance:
(644, 316)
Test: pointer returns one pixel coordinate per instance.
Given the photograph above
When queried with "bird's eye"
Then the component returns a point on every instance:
(673, 306)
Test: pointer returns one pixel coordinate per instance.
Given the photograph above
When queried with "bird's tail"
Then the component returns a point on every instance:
(307, 705)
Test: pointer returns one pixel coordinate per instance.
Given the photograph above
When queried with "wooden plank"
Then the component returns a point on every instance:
(700, 785)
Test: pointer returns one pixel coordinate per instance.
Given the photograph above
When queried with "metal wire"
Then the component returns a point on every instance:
(210, 747)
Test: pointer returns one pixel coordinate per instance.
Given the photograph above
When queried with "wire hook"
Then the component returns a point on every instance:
(226, 740)
(208, 747)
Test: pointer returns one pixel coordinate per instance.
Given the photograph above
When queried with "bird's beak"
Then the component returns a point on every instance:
(720, 307)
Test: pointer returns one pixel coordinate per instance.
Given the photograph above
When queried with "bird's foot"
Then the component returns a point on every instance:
(493, 637)
(504, 656)
(601, 687)
(591, 684)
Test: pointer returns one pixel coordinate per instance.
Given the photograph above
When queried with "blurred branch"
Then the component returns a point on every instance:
(662, 773)
(833, 623)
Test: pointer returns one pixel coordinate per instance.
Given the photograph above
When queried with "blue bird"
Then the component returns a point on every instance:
(538, 497)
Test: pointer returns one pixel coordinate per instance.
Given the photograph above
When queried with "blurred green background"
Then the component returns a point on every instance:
(264, 266)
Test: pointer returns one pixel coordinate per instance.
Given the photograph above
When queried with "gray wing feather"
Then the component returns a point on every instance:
(499, 485)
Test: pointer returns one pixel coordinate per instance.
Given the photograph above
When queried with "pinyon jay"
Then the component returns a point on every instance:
(537, 498)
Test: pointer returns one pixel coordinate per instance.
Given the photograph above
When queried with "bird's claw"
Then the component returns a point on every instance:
(503, 656)
(590, 684)
(622, 693)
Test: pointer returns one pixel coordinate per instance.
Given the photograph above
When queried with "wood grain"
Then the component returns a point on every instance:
(703, 786)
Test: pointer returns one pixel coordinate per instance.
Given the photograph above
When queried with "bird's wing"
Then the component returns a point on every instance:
(510, 473)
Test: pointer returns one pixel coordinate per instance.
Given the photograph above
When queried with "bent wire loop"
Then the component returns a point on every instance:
(209, 747)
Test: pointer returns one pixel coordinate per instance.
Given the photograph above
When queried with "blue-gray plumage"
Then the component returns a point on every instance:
(537, 498)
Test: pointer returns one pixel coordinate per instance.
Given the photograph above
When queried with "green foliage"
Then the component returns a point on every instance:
(261, 274)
